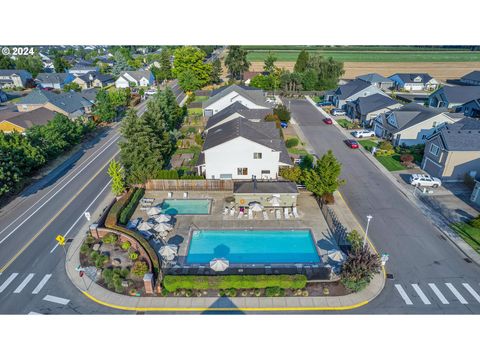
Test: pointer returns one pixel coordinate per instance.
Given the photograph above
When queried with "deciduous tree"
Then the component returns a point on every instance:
(236, 62)
(117, 173)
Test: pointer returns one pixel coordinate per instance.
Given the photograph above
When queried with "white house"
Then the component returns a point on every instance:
(352, 90)
(241, 149)
(252, 98)
(234, 111)
(135, 78)
(412, 124)
(414, 82)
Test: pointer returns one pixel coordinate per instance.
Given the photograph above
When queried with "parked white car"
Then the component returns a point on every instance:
(151, 92)
(336, 112)
(364, 133)
(425, 180)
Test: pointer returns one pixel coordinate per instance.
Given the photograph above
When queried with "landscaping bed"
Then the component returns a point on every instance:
(346, 124)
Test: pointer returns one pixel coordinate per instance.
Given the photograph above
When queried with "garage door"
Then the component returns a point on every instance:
(432, 168)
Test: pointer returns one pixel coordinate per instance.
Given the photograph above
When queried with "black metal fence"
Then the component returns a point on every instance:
(339, 231)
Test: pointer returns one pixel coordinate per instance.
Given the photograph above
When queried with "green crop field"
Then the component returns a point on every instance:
(374, 55)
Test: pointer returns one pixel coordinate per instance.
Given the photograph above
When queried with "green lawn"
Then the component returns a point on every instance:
(201, 98)
(367, 144)
(298, 151)
(346, 124)
(317, 99)
(374, 56)
(195, 111)
(391, 163)
(468, 233)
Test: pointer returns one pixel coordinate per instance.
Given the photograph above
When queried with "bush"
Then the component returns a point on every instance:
(307, 161)
(292, 142)
(384, 152)
(274, 291)
(359, 268)
(355, 239)
(130, 207)
(84, 249)
(272, 117)
(406, 158)
(198, 139)
(100, 260)
(475, 222)
(140, 268)
(175, 282)
(291, 173)
(282, 112)
(126, 245)
(110, 238)
(94, 255)
(385, 145)
(328, 199)
(90, 239)
(133, 256)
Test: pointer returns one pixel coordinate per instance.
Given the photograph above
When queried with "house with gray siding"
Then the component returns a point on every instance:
(54, 80)
(451, 97)
(453, 151)
(472, 78)
(471, 108)
(14, 78)
(367, 108)
(414, 81)
(352, 90)
(382, 82)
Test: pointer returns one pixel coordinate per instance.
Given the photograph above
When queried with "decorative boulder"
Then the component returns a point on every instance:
(125, 283)
(116, 262)
(96, 247)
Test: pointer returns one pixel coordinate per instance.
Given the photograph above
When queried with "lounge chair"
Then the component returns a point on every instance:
(225, 211)
(265, 215)
(232, 211)
(250, 214)
(185, 195)
(170, 194)
(286, 213)
(240, 214)
(278, 214)
(295, 212)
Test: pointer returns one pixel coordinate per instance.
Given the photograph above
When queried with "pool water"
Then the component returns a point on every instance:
(252, 246)
(185, 206)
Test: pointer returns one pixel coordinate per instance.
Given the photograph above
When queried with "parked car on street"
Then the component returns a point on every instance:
(324, 103)
(425, 180)
(336, 112)
(151, 92)
(328, 121)
(353, 144)
(363, 133)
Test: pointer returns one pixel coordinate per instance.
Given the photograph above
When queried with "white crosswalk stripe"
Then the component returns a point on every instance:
(41, 284)
(439, 294)
(57, 300)
(472, 291)
(23, 284)
(403, 294)
(456, 293)
(421, 294)
(8, 282)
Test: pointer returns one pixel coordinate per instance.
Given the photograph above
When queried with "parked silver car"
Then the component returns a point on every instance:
(425, 180)
(363, 133)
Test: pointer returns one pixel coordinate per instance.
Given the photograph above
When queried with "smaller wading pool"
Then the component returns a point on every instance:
(186, 206)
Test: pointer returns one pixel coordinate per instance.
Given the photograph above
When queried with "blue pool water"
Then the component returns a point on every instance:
(252, 246)
(186, 206)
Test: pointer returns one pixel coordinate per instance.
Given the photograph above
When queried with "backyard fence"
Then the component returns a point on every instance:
(191, 185)
(338, 230)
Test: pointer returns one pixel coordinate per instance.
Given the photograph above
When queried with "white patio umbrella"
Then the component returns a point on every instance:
(144, 226)
(255, 206)
(163, 227)
(168, 251)
(219, 264)
(336, 255)
(275, 201)
(162, 218)
(153, 211)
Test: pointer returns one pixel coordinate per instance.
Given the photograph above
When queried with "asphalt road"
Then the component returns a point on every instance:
(419, 255)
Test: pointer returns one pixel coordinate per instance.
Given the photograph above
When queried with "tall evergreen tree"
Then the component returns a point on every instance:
(121, 63)
(216, 75)
(324, 178)
(236, 62)
(302, 61)
(269, 63)
(6, 62)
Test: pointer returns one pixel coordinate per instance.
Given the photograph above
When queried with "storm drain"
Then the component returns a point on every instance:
(390, 276)
(467, 260)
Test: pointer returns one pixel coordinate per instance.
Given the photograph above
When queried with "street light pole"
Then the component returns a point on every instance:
(369, 217)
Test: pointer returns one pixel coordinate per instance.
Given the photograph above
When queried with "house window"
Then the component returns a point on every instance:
(257, 155)
(265, 172)
(242, 171)
(434, 149)
(434, 124)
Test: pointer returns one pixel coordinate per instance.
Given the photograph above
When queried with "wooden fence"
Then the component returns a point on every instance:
(191, 185)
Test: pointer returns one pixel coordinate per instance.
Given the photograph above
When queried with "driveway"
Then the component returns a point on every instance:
(423, 263)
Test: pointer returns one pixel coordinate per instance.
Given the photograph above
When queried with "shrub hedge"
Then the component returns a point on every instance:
(292, 142)
(176, 174)
(130, 207)
(175, 282)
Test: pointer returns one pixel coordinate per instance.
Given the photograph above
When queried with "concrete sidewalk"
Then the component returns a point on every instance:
(111, 299)
(437, 219)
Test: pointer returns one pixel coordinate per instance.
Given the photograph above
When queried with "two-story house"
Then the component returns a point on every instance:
(54, 80)
(241, 149)
(94, 79)
(367, 108)
(14, 78)
(135, 78)
(414, 81)
(382, 82)
(352, 90)
(452, 97)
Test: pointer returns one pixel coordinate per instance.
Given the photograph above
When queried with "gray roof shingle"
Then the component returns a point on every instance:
(345, 91)
(374, 78)
(458, 94)
(54, 78)
(411, 114)
(69, 102)
(409, 77)
(237, 108)
(374, 102)
(255, 95)
(463, 135)
(473, 76)
(26, 120)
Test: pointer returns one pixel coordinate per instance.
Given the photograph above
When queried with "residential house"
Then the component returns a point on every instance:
(89, 94)
(352, 90)
(80, 69)
(236, 110)
(472, 78)
(21, 121)
(94, 79)
(70, 104)
(14, 78)
(254, 150)
(412, 124)
(3, 96)
(414, 82)
(453, 151)
(382, 82)
(54, 80)
(451, 97)
(471, 108)
(225, 96)
(135, 78)
(367, 108)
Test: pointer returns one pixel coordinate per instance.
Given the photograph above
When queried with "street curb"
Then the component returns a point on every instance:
(459, 243)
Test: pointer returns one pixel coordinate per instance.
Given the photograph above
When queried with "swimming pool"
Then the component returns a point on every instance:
(252, 246)
(186, 206)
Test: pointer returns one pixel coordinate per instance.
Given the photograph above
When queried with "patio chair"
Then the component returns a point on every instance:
(250, 214)
(265, 215)
(295, 212)
(278, 214)
(232, 211)
(170, 194)
(240, 214)
(286, 213)
(225, 211)
(185, 195)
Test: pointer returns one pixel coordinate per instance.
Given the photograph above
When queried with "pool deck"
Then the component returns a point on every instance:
(308, 209)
